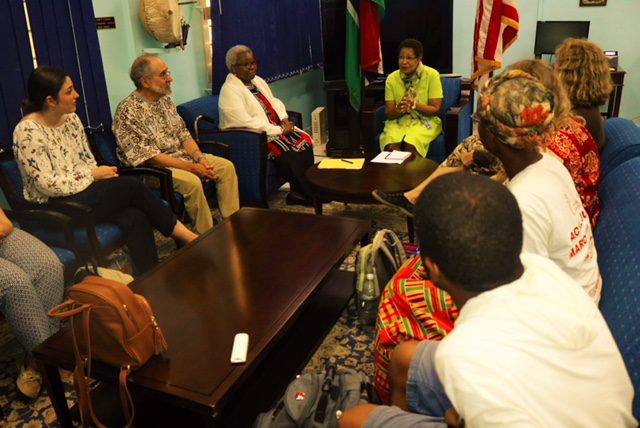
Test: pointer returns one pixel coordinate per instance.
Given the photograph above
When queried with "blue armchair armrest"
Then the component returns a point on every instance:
(458, 125)
(248, 152)
(104, 145)
(257, 177)
(623, 143)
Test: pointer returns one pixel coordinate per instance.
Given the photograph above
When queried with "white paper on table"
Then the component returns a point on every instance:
(395, 156)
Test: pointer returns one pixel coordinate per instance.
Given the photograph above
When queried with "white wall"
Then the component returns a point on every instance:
(120, 46)
(613, 27)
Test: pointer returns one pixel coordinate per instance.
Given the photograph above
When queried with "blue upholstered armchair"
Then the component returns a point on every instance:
(103, 145)
(257, 177)
(94, 240)
(455, 114)
(617, 238)
(623, 143)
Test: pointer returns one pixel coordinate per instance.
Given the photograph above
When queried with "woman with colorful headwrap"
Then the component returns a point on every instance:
(572, 143)
(517, 113)
(413, 97)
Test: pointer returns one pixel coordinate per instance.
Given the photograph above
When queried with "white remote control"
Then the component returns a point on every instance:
(240, 346)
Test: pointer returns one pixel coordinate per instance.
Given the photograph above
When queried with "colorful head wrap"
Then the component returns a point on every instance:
(517, 108)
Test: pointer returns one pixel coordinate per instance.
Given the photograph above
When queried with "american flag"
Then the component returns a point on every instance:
(497, 26)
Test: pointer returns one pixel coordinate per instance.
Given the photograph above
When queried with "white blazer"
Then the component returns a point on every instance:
(239, 108)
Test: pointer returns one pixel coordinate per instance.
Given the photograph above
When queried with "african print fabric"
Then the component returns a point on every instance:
(296, 141)
(410, 308)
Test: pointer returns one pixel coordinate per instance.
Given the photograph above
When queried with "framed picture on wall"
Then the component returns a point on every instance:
(593, 2)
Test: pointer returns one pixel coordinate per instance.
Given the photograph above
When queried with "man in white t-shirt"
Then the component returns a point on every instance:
(530, 348)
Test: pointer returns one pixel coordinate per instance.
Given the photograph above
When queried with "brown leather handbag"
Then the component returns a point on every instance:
(113, 325)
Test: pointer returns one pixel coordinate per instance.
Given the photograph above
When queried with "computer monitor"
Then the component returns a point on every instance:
(551, 34)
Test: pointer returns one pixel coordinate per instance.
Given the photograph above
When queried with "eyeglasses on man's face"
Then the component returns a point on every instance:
(248, 64)
(165, 75)
(407, 58)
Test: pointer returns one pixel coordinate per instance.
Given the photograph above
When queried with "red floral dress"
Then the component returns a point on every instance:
(578, 151)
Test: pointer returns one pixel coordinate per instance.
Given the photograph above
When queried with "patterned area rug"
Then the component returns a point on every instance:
(348, 344)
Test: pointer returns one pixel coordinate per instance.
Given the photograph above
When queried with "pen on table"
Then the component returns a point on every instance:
(344, 160)
(387, 155)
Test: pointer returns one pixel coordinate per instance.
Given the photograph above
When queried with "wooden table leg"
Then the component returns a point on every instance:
(53, 383)
(366, 239)
(411, 229)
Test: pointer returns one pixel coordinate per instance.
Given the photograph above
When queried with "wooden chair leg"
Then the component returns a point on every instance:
(411, 229)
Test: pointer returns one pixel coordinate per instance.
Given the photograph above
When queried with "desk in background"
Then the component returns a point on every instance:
(613, 107)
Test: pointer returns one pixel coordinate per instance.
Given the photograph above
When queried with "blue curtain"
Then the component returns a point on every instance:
(15, 66)
(65, 35)
(284, 35)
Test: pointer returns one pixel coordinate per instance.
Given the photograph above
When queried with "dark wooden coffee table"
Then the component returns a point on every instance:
(273, 275)
(355, 185)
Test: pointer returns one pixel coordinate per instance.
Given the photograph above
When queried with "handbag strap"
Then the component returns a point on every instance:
(125, 397)
(82, 376)
(62, 310)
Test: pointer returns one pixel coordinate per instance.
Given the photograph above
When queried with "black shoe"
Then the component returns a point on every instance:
(292, 200)
(82, 273)
(396, 200)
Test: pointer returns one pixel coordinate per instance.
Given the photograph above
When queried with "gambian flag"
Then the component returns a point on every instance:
(363, 24)
(497, 26)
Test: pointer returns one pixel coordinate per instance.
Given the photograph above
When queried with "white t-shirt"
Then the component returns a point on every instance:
(536, 352)
(555, 222)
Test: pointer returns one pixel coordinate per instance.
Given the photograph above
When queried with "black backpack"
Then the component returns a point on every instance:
(318, 399)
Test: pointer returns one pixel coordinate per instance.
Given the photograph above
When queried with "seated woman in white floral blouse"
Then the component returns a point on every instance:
(56, 165)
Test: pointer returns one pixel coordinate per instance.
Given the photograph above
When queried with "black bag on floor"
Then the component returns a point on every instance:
(318, 399)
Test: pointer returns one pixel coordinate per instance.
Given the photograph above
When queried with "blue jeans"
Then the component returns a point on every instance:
(425, 396)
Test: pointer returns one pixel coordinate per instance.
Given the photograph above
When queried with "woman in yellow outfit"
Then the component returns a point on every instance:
(413, 97)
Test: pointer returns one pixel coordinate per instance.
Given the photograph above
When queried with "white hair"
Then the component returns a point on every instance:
(234, 52)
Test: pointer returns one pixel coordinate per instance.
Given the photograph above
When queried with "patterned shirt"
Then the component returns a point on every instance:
(472, 143)
(53, 162)
(577, 149)
(145, 129)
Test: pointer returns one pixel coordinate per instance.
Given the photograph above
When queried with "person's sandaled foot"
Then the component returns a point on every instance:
(29, 382)
(66, 377)
(396, 200)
